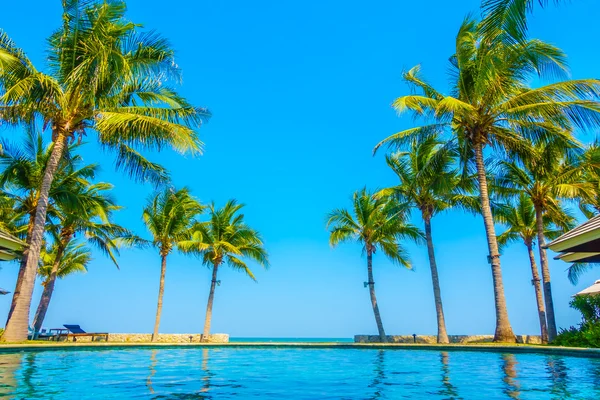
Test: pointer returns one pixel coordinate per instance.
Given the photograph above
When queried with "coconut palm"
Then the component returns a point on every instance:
(520, 222)
(168, 216)
(491, 109)
(88, 214)
(105, 76)
(550, 173)
(225, 239)
(378, 223)
(58, 262)
(430, 183)
(21, 178)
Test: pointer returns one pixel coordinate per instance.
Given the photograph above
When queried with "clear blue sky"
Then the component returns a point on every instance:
(300, 93)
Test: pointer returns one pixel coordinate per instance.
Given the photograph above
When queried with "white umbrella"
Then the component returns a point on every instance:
(594, 289)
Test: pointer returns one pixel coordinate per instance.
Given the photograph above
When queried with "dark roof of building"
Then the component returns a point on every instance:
(568, 241)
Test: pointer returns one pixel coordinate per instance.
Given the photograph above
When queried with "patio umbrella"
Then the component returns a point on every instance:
(594, 289)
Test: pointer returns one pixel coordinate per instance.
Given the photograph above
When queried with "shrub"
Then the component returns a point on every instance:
(588, 332)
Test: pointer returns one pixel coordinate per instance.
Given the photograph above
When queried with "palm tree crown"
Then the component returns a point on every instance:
(168, 216)
(75, 258)
(377, 222)
(105, 76)
(226, 239)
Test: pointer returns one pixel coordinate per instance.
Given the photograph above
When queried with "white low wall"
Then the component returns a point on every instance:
(431, 339)
(162, 338)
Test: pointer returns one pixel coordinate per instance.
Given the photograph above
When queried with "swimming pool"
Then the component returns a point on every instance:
(292, 373)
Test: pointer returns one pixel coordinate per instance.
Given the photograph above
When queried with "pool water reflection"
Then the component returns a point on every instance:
(270, 373)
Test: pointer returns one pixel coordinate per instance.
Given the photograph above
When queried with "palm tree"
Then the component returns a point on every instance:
(225, 239)
(491, 108)
(71, 259)
(105, 76)
(168, 216)
(520, 222)
(20, 181)
(378, 223)
(550, 172)
(89, 215)
(429, 182)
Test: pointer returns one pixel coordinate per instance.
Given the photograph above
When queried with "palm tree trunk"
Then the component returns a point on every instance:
(22, 266)
(442, 336)
(16, 326)
(209, 305)
(552, 331)
(40, 314)
(161, 292)
(504, 332)
(382, 336)
(538, 293)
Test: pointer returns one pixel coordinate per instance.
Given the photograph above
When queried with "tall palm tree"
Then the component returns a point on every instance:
(168, 216)
(89, 215)
(520, 222)
(21, 178)
(550, 173)
(58, 262)
(430, 183)
(225, 239)
(492, 109)
(105, 76)
(378, 223)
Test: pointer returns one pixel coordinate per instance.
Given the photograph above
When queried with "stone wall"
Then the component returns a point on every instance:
(162, 338)
(430, 339)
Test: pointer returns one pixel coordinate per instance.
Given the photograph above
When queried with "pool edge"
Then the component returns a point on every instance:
(516, 348)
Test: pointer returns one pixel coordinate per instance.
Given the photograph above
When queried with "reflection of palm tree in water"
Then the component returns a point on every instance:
(153, 362)
(206, 378)
(9, 364)
(28, 371)
(512, 388)
(558, 372)
(448, 389)
(377, 383)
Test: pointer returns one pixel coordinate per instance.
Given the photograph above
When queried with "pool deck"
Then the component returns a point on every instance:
(488, 347)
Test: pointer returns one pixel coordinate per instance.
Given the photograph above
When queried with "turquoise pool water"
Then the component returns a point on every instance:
(271, 373)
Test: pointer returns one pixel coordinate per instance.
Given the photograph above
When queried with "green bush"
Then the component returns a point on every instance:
(588, 332)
